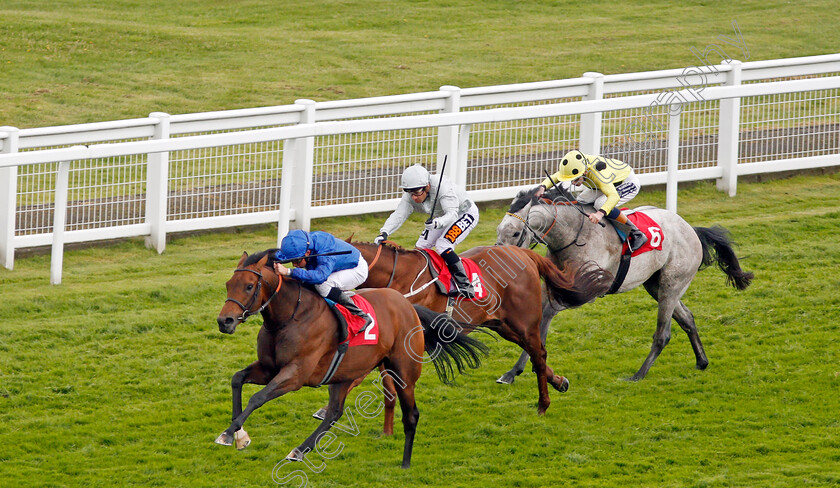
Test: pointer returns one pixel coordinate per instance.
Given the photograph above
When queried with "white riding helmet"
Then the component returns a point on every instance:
(415, 177)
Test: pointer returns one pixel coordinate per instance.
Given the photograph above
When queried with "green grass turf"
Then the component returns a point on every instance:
(119, 376)
(75, 61)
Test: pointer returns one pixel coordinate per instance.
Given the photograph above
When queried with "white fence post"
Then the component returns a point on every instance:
(448, 139)
(673, 157)
(157, 187)
(8, 200)
(286, 180)
(59, 219)
(463, 153)
(303, 163)
(729, 135)
(590, 124)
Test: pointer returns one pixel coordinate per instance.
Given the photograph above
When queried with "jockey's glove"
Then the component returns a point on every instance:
(381, 237)
(434, 224)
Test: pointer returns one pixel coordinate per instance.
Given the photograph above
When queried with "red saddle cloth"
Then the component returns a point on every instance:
(650, 228)
(445, 277)
(354, 323)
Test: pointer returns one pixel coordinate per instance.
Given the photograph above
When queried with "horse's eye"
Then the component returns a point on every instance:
(516, 234)
(249, 287)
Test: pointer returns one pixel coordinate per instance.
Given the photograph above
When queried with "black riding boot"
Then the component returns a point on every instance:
(461, 285)
(344, 299)
(636, 238)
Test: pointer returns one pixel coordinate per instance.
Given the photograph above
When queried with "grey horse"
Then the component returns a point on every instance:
(560, 223)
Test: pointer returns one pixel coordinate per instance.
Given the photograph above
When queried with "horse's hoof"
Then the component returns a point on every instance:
(320, 414)
(295, 455)
(561, 384)
(702, 366)
(633, 379)
(506, 379)
(224, 439)
(242, 439)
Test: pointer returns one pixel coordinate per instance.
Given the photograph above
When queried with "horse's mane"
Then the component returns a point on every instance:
(253, 258)
(525, 197)
(395, 247)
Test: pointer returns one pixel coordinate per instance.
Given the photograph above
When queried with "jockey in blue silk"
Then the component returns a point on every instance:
(455, 216)
(608, 182)
(331, 276)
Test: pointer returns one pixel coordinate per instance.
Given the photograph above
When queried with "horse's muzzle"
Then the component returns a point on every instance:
(227, 324)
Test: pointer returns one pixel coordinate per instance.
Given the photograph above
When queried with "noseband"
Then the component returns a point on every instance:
(246, 309)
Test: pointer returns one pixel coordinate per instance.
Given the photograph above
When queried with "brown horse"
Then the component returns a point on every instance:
(299, 338)
(513, 305)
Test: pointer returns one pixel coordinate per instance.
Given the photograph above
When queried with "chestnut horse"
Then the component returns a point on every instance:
(513, 305)
(299, 338)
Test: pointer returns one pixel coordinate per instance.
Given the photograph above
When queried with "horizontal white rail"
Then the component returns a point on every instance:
(409, 122)
(289, 164)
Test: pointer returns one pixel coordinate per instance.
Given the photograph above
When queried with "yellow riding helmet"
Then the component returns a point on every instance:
(572, 166)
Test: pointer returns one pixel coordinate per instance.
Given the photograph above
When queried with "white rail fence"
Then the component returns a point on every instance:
(290, 164)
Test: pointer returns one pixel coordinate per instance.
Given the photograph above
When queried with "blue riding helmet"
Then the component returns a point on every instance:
(294, 245)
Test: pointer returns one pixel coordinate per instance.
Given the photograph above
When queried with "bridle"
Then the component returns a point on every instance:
(537, 238)
(541, 239)
(246, 309)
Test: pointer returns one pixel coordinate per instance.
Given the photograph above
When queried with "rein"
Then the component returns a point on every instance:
(246, 310)
(539, 239)
(376, 258)
(573, 203)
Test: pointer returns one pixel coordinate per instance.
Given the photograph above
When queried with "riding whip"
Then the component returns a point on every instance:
(334, 253)
(437, 193)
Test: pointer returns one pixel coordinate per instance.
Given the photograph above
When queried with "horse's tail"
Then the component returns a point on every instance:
(449, 347)
(573, 285)
(717, 248)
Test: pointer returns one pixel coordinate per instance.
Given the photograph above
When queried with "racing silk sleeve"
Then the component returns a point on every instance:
(398, 216)
(323, 268)
(547, 182)
(448, 202)
(611, 193)
(605, 173)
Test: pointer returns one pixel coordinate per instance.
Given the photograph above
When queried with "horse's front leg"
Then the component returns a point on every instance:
(288, 379)
(255, 374)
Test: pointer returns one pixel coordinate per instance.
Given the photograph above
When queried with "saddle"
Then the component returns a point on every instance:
(357, 336)
(649, 227)
(438, 269)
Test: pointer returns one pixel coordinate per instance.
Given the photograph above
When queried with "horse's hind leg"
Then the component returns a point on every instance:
(410, 417)
(548, 313)
(335, 407)
(406, 371)
(390, 403)
(530, 343)
(685, 319)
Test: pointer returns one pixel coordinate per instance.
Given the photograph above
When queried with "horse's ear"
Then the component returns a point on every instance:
(350, 239)
(242, 259)
(262, 261)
